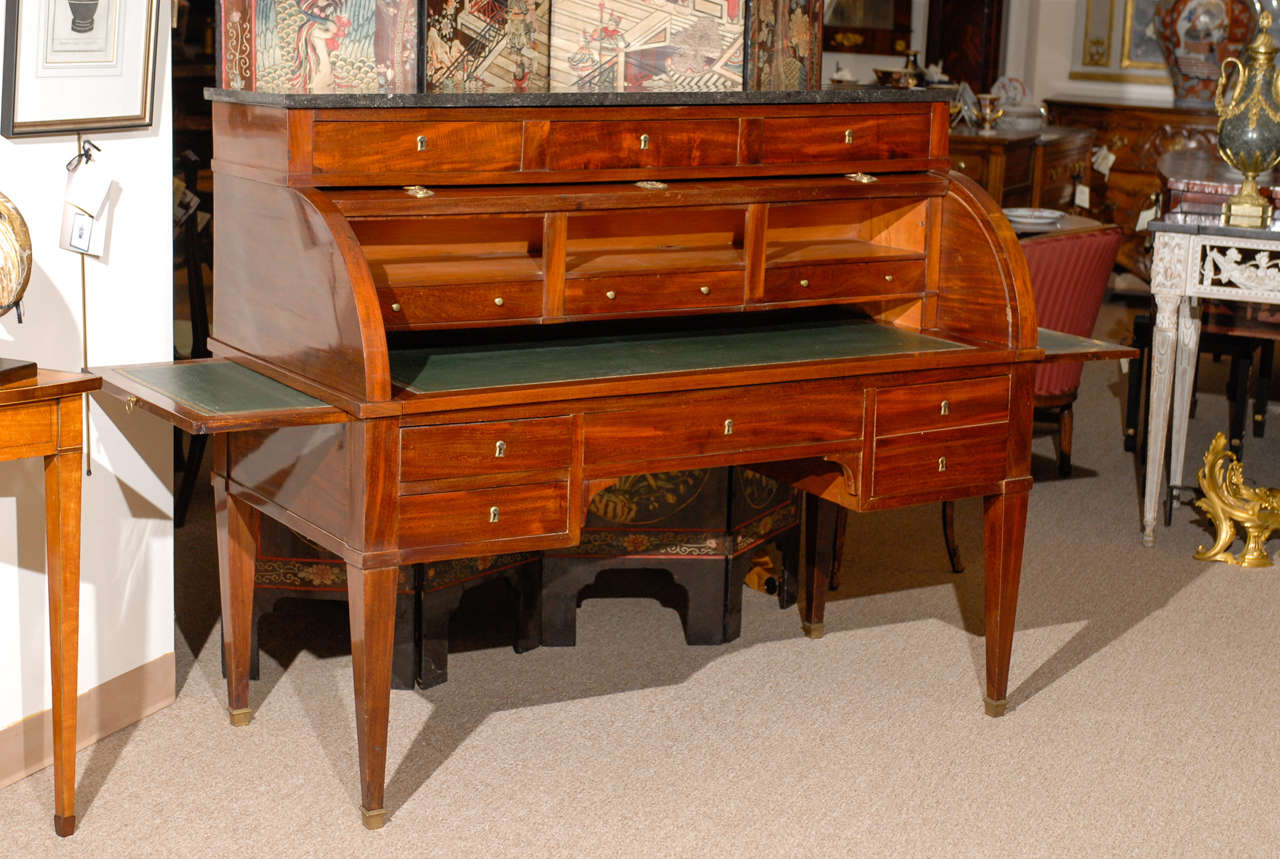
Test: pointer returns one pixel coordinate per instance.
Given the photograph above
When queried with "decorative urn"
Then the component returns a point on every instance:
(1195, 37)
(1249, 126)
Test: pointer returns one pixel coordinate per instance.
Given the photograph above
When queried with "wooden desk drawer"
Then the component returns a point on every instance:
(724, 421)
(651, 292)
(843, 280)
(971, 164)
(941, 405)
(425, 147)
(479, 515)
(28, 430)
(808, 139)
(497, 447)
(420, 306)
(642, 143)
(922, 463)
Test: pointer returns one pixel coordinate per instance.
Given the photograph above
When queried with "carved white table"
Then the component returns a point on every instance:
(1193, 260)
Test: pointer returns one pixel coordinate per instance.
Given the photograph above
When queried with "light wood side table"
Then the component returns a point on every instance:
(44, 419)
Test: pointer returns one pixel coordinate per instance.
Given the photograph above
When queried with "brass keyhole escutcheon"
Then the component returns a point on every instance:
(644, 141)
(848, 135)
(498, 301)
(728, 427)
(945, 408)
(396, 307)
(500, 449)
(705, 290)
(942, 466)
(611, 295)
(493, 513)
(422, 143)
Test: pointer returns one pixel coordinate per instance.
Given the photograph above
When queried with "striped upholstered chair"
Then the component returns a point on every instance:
(1069, 272)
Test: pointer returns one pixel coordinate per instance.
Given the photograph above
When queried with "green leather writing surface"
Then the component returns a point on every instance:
(573, 359)
(220, 388)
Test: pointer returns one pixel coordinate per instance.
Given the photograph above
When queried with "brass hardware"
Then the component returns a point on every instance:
(804, 282)
(960, 165)
(498, 301)
(728, 427)
(1119, 141)
(418, 191)
(130, 402)
(651, 185)
(493, 513)
(500, 450)
(946, 407)
(942, 463)
(422, 143)
(644, 141)
(848, 135)
(889, 278)
(396, 307)
(864, 178)
(611, 295)
(1228, 502)
(705, 290)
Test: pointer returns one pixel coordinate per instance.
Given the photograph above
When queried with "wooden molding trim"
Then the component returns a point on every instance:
(27, 746)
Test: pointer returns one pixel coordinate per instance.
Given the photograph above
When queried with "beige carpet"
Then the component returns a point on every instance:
(1143, 722)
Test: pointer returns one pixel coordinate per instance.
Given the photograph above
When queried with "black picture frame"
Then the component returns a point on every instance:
(37, 30)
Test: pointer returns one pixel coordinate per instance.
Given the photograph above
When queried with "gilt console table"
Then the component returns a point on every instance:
(443, 323)
(1194, 259)
(42, 417)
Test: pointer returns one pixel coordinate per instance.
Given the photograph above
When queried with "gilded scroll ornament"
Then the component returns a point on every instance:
(1228, 502)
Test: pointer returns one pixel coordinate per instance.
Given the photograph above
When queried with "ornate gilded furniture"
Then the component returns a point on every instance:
(42, 417)
(443, 328)
(1228, 500)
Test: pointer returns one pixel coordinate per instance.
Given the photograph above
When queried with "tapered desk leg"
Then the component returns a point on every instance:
(821, 532)
(1005, 523)
(1184, 379)
(237, 530)
(371, 599)
(62, 533)
(1162, 367)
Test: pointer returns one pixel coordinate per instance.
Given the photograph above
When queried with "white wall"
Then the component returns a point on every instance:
(863, 66)
(126, 609)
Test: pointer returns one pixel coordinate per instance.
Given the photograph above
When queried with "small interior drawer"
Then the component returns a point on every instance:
(928, 462)
(494, 447)
(651, 292)
(424, 306)
(971, 164)
(942, 405)
(642, 143)
(843, 280)
(482, 515)
(417, 147)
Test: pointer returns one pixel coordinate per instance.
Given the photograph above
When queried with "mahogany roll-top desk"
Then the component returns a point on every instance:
(439, 329)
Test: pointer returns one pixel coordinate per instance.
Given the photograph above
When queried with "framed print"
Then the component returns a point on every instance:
(78, 65)
(867, 26)
(1115, 41)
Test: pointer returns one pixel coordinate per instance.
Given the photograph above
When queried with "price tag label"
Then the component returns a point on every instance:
(1145, 217)
(1081, 196)
(1102, 161)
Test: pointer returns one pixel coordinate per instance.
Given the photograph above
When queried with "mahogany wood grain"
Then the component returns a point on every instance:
(62, 540)
(611, 144)
(941, 405)
(820, 533)
(237, 534)
(462, 450)
(371, 598)
(484, 515)
(28, 430)
(937, 461)
(408, 308)
(800, 140)
(853, 281)
(555, 235)
(306, 469)
(1004, 525)
(647, 293)
(426, 146)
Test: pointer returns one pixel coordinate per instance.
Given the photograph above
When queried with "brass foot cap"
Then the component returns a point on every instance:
(813, 630)
(994, 708)
(64, 826)
(373, 819)
(240, 718)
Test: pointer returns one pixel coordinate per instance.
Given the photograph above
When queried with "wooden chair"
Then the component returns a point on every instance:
(1069, 273)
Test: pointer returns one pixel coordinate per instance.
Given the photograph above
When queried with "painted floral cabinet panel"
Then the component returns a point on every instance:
(319, 46)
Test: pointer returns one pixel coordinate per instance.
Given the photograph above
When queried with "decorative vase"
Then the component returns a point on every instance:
(1249, 126)
(1195, 37)
(82, 12)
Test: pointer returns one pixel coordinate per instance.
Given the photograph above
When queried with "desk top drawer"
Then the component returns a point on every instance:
(725, 421)
(495, 447)
(648, 293)
(483, 515)
(843, 280)
(417, 147)
(28, 430)
(808, 139)
(942, 405)
(642, 143)
(933, 462)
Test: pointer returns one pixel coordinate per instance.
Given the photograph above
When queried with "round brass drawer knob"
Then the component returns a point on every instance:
(396, 307)
(889, 277)
(705, 290)
(498, 301)
(611, 295)
(804, 283)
